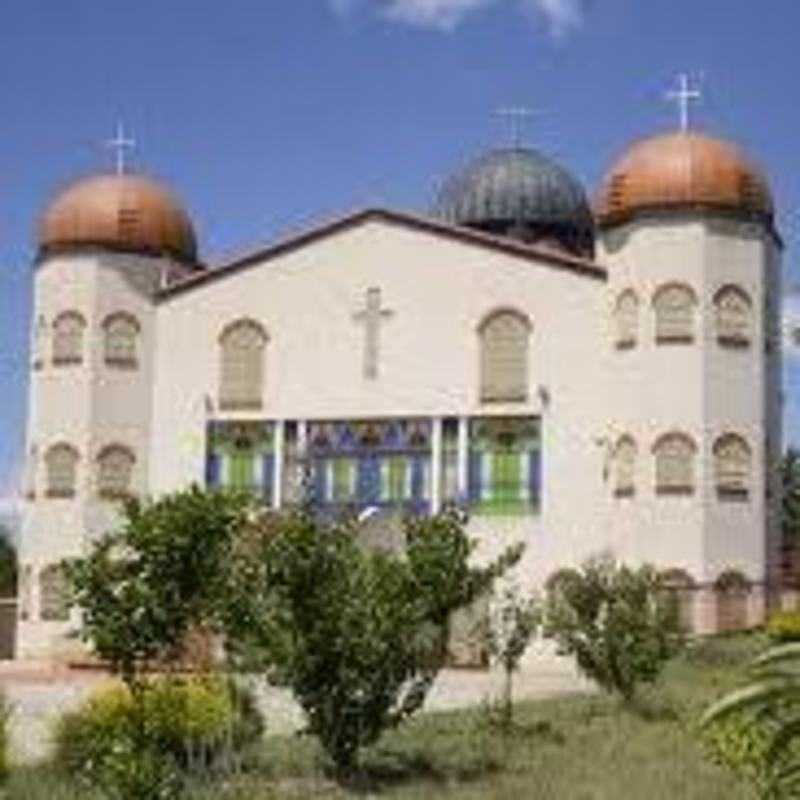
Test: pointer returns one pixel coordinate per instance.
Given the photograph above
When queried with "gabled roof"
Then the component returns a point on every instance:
(554, 258)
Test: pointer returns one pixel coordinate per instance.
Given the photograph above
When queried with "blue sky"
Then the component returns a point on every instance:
(265, 116)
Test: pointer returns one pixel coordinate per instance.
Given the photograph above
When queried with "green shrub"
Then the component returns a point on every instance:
(196, 722)
(741, 743)
(615, 621)
(5, 716)
(784, 626)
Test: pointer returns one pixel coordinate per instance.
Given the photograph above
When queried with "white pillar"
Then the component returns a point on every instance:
(277, 472)
(436, 466)
(463, 458)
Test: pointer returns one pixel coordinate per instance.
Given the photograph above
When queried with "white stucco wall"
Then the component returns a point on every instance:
(439, 291)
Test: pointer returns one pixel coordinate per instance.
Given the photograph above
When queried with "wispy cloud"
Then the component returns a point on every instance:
(560, 16)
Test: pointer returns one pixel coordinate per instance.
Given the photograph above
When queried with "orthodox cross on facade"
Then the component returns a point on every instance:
(372, 317)
(517, 117)
(120, 144)
(683, 97)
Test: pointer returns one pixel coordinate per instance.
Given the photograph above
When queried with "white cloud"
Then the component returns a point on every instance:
(560, 16)
(441, 14)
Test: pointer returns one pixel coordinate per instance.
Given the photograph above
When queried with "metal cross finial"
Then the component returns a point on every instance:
(683, 96)
(120, 144)
(517, 116)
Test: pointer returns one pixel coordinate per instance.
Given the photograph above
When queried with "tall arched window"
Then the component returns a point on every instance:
(120, 334)
(504, 357)
(732, 466)
(61, 462)
(626, 319)
(115, 471)
(53, 596)
(625, 467)
(242, 346)
(674, 457)
(674, 307)
(680, 588)
(733, 312)
(68, 329)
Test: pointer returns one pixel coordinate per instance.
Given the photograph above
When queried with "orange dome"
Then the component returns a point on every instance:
(120, 212)
(683, 171)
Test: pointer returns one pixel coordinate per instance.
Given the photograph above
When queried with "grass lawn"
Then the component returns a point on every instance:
(573, 748)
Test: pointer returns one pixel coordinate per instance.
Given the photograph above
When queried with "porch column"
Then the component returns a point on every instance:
(277, 472)
(436, 465)
(463, 459)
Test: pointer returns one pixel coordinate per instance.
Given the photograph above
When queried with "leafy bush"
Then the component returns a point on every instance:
(772, 699)
(5, 717)
(615, 621)
(196, 722)
(741, 743)
(784, 626)
(358, 635)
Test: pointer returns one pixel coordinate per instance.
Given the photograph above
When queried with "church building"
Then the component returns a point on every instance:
(582, 377)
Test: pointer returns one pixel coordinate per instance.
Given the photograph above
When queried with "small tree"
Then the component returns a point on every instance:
(616, 621)
(358, 635)
(140, 590)
(512, 622)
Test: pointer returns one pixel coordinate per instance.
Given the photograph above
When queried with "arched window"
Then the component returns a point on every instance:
(732, 466)
(674, 456)
(504, 357)
(115, 471)
(733, 312)
(680, 588)
(53, 596)
(625, 467)
(38, 342)
(26, 592)
(674, 307)
(626, 319)
(31, 468)
(120, 333)
(732, 590)
(242, 346)
(62, 463)
(68, 331)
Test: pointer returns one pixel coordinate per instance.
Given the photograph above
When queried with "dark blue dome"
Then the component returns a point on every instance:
(520, 193)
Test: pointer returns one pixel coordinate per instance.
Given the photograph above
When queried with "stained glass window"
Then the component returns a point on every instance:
(504, 465)
(240, 455)
(385, 464)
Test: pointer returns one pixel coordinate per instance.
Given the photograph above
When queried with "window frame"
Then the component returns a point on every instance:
(121, 362)
(108, 493)
(485, 395)
(241, 404)
(69, 359)
(674, 338)
(730, 492)
(733, 341)
(624, 490)
(621, 342)
(690, 486)
(59, 493)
